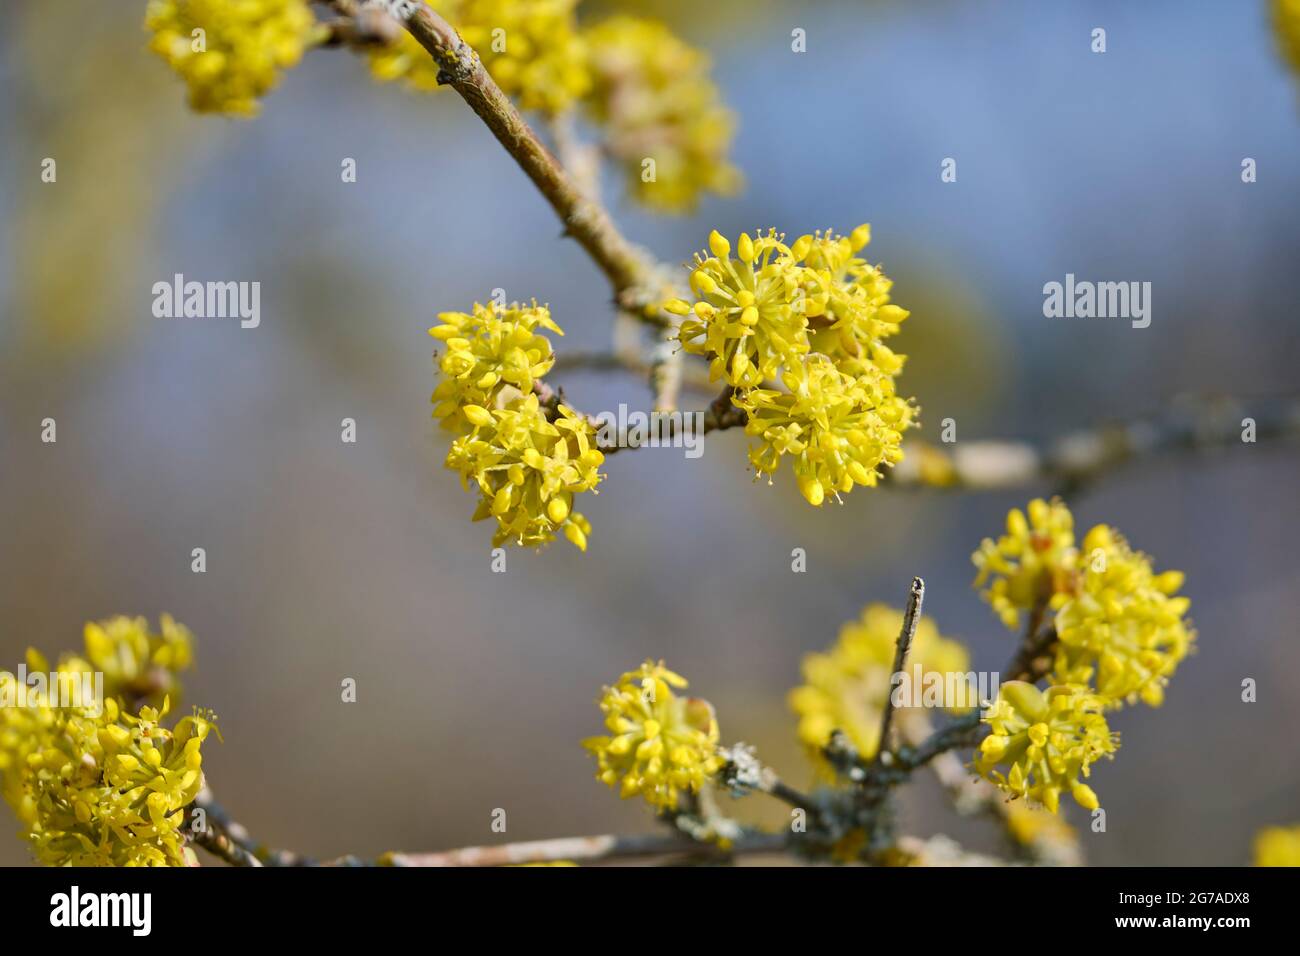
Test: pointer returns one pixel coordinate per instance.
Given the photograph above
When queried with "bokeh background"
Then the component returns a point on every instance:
(328, 560)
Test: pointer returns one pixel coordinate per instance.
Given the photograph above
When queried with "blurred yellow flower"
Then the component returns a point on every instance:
(532, 49)
(654, 100)
(1030, 826)
(1286, 23)
(1278, 846)
(846, 687)
(230, 52)
(136, 664)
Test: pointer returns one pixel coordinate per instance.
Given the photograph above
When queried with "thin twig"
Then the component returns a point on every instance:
(219, 820)
(692, 375)
(911, 617)
(224, 848)
(719, 416)
(1032, 660)
(666, 372)
(963, 732)
(585, 219)
(1189, 424)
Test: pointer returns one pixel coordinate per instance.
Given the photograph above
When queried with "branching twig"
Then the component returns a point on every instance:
(719, 416)
(585, 219)
(1190, 424)
(963, 732)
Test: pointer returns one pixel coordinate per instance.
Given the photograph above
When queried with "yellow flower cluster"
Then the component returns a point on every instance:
(532, 48)
(652, 95)
(1286, 22)
(846, 687)
(1278, 846)
(490, 347)
(836, 428)
(810, 318)
(662, 745)
(1124, 627)
(1037, 830)
(1120, 628)
(1032, 565)
(230, 52)
(1048, 739)
(92, 783)
(527, 459)
(137, 664)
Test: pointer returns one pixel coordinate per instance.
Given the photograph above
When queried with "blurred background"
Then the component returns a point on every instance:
(327, 560)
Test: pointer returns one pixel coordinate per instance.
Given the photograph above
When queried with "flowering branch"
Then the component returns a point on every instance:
(1199, 424)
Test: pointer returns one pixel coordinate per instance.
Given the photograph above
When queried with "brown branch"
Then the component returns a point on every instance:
(585, 219)
(1033, 659)
(229, 839)
(719, 416)
(692, 376)
(1191, 424)
(224, 848)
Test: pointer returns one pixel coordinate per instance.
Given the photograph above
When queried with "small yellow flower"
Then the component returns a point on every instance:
(1047, 740)
(532, 49)
(548, 863)
(847, 302)
(653, 97)
(746, 317)
(527, 469)
(846, 687)
(136, 664)
(1030, 565)
(1124, 629)
(1030, 826)
(837, 429)
(488, 348)
(230, 52)
(1278, 846)
(662, 745)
